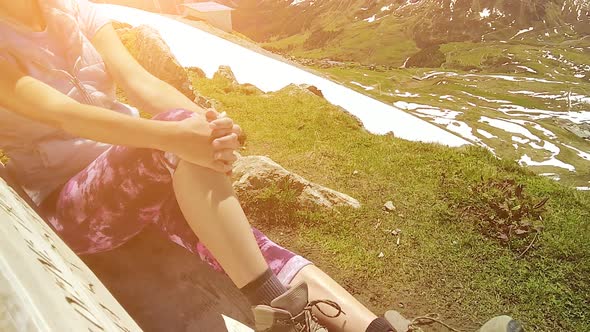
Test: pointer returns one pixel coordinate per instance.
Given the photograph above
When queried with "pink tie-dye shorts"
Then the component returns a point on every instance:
(125, 189)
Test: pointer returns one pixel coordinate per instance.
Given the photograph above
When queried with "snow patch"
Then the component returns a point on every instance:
(367, 88)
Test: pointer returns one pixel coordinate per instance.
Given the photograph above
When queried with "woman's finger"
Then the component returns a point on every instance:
(226, 142)
(221, 123)
(211, 115)
(237, 129)
(227, 156)
(218, 133)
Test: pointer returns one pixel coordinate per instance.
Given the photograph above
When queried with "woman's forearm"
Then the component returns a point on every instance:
(155, 96)
(99, 124)
(106, 126)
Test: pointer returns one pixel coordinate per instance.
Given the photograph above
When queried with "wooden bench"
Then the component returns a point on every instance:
(161, 285)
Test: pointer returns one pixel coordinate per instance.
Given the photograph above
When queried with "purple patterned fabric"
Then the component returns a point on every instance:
(125, 189)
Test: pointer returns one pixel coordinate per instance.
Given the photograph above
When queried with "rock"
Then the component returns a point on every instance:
(150, 50)
(253, 173)
(294, 89)
(579, 129)
(203, 102)
(381, 255)
(249, 89)
(226, 73)
(388, 206)
(121, 25)
(313, 89)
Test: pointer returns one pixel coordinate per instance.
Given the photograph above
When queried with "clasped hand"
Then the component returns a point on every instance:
(208, 140)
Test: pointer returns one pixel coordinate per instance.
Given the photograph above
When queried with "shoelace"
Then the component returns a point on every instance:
(310, 322)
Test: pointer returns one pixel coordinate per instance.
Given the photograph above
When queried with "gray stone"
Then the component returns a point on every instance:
(226, 73)
(293, 89)
(254, 173)
(579, 129)
(388, 206)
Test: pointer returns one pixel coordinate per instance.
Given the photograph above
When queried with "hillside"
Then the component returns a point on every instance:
(511, 76)
(442, 249)
(386, 32)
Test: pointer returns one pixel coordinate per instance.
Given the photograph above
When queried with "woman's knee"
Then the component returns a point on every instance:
(201, 176)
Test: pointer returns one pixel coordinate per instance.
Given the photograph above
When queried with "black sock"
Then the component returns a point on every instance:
(380, 324)
(264, 289)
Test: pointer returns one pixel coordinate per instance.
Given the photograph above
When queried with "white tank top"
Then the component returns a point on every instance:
(41, 157)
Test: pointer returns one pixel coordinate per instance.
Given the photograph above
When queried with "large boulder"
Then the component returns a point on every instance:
(150, 50)
(255, 173)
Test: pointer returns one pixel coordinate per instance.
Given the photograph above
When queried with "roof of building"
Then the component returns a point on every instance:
(209, 6)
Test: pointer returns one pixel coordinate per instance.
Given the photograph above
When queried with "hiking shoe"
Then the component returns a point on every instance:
(397, 321)
(290, 312)
(502, 324)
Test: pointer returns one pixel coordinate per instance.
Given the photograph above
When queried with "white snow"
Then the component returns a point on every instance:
(498, 101)
(370, 19)
(509, 127)
(548, 133)
(552, 176)
(368, 88)
(296, 2)
(194, 47)
(486, 134)
(535, 114)
(405, 94)
(526, 160)
(530, 70)
(520, 140)
(484, 13)
(500, 77)
(581, 154)
(521, 32)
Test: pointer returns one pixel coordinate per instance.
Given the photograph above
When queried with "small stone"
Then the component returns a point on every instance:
(396, 232)
(401, 305)
(388, 206)
(355, 172)
(381, 255)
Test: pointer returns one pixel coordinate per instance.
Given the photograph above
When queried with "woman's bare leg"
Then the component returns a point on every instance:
(207, 200)
(212, 210)
(321, 287)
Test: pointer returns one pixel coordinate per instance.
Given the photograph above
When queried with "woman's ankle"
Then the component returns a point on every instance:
(264, 289)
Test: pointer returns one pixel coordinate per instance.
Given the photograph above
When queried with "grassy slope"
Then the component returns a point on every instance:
(443, 264)
(464, 55)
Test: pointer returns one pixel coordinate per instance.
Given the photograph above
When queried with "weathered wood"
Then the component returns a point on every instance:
(44, 286)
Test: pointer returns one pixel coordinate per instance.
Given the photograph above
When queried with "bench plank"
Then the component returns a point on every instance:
(44, 286)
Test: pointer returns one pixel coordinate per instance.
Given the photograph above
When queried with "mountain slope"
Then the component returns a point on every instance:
(391, 30)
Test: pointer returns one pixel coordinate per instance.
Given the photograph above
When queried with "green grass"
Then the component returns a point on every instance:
(444, 263)
(473, 107)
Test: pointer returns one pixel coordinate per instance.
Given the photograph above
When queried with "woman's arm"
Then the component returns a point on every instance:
(191, 139)
(144, 90)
